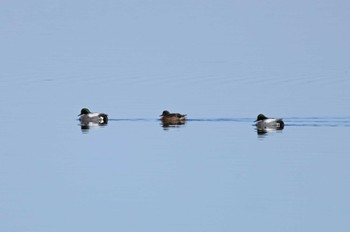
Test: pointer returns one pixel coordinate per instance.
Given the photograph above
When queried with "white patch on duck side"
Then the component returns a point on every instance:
(101, 119)
(267, 123)
(93, 115)
(270, 120)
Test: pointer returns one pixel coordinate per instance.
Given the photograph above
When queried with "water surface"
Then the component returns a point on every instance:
(221, 63)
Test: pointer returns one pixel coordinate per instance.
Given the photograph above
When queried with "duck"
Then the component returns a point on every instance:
(264, 123)
(168, 118)
(86, 117)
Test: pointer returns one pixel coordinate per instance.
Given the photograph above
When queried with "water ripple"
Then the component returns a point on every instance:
(291, 121)
(220, 120)
(319, 121)
(132, 119)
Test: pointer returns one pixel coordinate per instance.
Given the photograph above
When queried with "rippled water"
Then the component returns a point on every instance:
(221, 63)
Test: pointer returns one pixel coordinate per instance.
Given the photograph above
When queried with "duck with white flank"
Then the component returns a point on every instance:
(264, 123)
(87, 117)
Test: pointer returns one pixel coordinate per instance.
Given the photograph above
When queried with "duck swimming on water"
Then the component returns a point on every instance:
(264, 123)
(169, 119)
(87, 117)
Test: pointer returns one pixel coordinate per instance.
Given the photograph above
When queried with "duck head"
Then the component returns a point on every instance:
(84, 111)
(261, 117)
(165, 112)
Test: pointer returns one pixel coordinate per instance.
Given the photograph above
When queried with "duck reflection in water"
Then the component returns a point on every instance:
(90, 119)
(172, 119)
(265, 124)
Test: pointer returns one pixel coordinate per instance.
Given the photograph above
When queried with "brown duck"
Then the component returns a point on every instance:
(168, 118)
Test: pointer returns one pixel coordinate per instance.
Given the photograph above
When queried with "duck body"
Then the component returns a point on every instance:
(168, 118)
(265, 123)
(87, 117)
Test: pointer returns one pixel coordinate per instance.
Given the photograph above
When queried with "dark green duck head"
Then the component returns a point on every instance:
(84, 111)
(261, 117)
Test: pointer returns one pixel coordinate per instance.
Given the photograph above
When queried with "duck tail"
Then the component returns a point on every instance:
(281, 124)
(104, 118)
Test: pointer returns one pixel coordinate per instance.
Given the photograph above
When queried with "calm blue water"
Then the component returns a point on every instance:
(220, 62)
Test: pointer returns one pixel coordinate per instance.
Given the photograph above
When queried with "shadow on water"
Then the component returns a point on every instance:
(167, 126)
(264, 133)
(85, 127)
